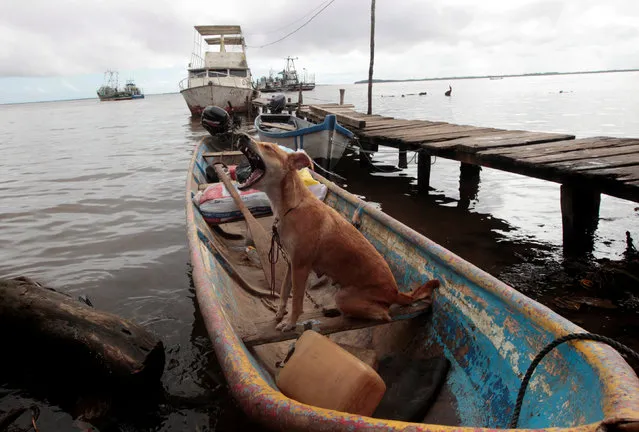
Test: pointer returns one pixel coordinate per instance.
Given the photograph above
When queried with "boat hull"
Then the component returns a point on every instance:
(314, 139)
(198, 98)
(488, 331)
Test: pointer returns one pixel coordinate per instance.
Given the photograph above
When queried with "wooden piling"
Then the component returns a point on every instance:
(579, 216)
(364, 155)
(468, 184)
(403, 157)
(372, 60)
(341, 96)
(469, 171)
(423, 171)
(299, 98)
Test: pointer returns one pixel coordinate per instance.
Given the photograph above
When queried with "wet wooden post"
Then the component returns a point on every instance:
(403, 158)
(580, 217)
(423, 171)
(341, 96)
(468, 184)
(299, 98)
(365, 154)
(372, 61)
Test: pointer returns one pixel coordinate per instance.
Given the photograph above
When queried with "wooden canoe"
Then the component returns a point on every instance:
(487, 330)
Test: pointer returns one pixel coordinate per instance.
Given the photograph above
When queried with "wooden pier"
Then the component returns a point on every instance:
(585, 167)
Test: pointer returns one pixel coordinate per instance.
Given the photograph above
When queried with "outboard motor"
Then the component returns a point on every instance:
(216, 120)
(277, 104)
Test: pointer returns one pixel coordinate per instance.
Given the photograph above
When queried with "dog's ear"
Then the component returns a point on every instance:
(299, 160)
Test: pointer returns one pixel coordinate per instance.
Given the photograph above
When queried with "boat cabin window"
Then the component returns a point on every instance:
(238, 72)
(198, 74)
(217, 73)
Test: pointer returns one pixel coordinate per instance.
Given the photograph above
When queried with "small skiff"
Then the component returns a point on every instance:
(322, 141)
(487, 331)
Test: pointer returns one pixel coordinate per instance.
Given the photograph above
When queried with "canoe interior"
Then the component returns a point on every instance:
(488, 332)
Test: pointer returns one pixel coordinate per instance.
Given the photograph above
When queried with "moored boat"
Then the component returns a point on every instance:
(286, 80)
(110, 90)
(323, 141)
(221, 78)
(488, 332)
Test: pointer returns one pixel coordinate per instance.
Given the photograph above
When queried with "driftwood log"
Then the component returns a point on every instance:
(62, 338)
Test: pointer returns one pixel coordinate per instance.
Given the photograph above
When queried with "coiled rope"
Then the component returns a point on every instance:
(569, 337)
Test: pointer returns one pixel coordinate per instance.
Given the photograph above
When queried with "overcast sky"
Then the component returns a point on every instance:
(53, 49)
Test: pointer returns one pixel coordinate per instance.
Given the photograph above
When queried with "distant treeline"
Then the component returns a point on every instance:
(496, 76)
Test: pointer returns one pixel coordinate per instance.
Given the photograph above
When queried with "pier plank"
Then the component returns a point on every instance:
(625, 173)
(375, 125)
(587, 153)
(388, 130)
(446, 134)
(598, 163)
(502, 139)
(342, 118)
(427, 130)
(537, 150)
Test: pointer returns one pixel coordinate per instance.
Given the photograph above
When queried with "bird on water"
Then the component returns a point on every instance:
(449, 91)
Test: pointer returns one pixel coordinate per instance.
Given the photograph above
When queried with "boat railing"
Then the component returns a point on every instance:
(241, 82)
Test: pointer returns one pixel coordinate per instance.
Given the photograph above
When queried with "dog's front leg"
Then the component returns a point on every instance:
(285, 292)
(300, 276)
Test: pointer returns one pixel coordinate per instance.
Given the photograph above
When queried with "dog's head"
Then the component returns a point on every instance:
(269, 163)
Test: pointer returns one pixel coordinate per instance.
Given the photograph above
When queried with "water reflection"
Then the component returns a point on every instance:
(468, 185)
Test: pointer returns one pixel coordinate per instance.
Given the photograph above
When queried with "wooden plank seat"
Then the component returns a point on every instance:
(265, 331)
(228, 157)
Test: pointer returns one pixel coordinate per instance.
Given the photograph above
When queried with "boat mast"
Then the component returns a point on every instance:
(111, 79)
(290, 73)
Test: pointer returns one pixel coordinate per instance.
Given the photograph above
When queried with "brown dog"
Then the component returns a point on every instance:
(316, 237)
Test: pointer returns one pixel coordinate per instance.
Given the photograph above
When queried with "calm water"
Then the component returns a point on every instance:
(92, 202)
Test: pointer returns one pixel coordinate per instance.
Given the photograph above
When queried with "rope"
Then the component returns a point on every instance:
(327, 171)
(569, 337)
(291, 23)
(297, 29)
(274, 253)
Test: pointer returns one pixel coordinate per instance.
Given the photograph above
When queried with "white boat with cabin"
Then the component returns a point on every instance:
(218, 77)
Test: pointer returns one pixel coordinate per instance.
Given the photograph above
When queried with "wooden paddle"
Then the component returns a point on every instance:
(261, 238)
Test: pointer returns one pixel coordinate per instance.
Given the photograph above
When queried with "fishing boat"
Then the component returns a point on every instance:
(323, 141)
(220, 78)
(486, 330)
(111, 91)
(286, 80)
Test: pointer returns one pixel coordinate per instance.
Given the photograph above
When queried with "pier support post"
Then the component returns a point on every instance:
(341, 96)
(579, 216)
(468, 184)
(423, 171)
(403, 160)
(300, 98)
(364, 155)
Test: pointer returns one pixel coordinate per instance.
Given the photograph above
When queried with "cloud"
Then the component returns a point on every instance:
(69, 38)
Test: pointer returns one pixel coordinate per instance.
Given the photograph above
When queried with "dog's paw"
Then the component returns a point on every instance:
(285, 326)
(280, 314)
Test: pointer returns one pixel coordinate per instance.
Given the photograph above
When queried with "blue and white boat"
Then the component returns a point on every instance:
(324, 141)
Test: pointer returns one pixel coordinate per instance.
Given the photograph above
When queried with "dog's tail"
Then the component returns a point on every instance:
(419, 293)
